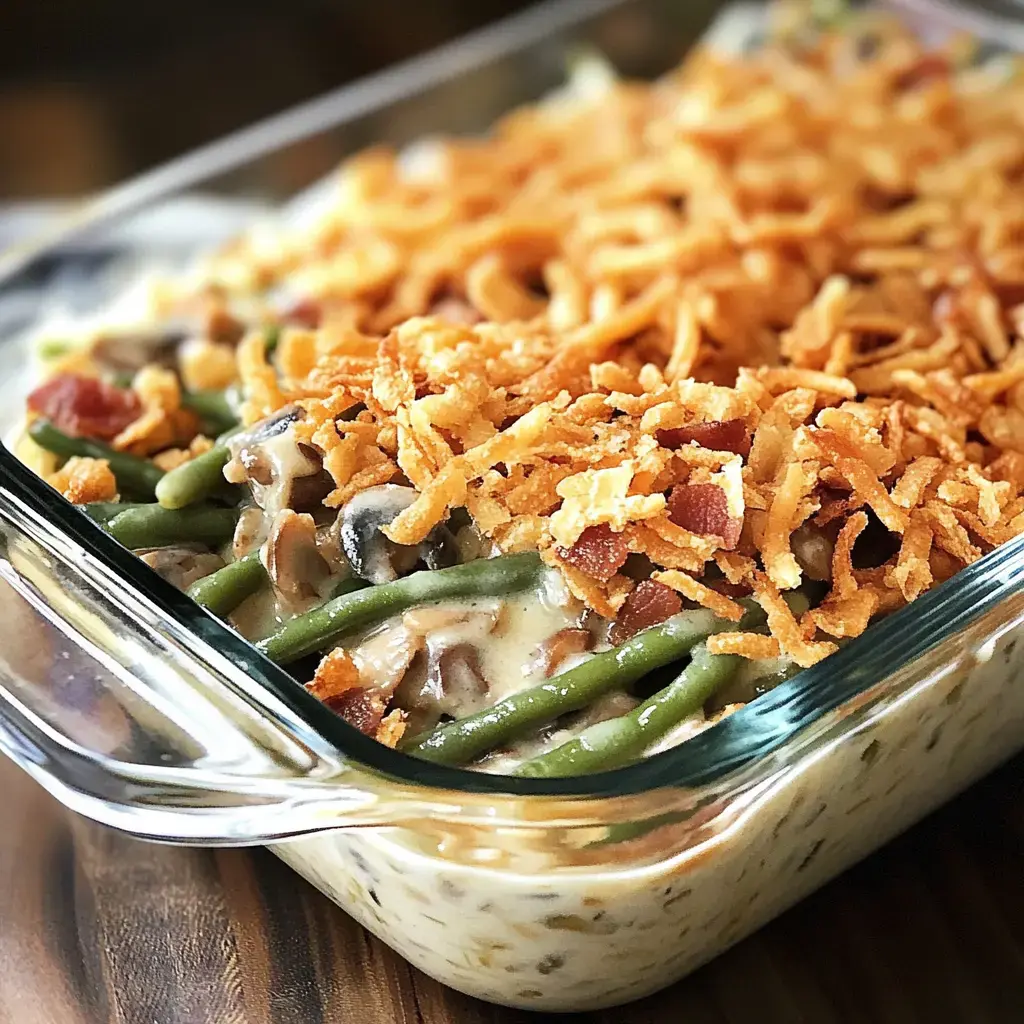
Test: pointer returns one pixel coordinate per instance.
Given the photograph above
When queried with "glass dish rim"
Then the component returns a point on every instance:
(750, 734)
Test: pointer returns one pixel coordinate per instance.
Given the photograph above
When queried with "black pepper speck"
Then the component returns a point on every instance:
(551, 963)
(451, 890)
(811, 855)
(871, 752)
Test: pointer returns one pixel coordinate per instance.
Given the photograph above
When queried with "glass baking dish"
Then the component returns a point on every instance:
(134, 707)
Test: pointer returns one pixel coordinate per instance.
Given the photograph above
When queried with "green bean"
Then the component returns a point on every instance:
(194, 480)
(618, 741)
(152, 526)
(349, 585)
(53, 348)
(224, 590)
(135, 476)
(485, 577)
(103, 511)
(273, 335)
(468, 738)
(213, 408)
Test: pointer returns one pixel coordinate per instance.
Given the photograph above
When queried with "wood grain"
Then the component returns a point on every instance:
(98, 928)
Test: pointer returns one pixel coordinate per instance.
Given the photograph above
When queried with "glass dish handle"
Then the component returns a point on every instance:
(124, 716)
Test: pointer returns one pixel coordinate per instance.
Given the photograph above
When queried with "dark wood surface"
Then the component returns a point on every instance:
(96, 927)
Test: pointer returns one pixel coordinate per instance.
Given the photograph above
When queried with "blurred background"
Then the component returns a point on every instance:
(92, 93)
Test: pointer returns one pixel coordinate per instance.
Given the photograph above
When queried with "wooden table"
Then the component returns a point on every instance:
(96, 927)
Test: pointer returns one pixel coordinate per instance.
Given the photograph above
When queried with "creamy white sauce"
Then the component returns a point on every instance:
(509, 655)
(526, 925)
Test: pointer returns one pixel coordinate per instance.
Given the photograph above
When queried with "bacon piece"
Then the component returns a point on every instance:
(718, 435)
(927, 68)
(85, 406)
(304, 313)
(361, 708)
(704, 509)
(648, 604)
(599, 552)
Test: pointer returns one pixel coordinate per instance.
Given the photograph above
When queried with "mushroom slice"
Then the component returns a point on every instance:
(130, 350)
(812, 549)
(372, 556)
(281, 471)
(293, 563)
(455, 677)
(383, 658)
(559, 646)
(308, 484)
(250, 531)
(611, 705)
(182, 566)
(273, 426)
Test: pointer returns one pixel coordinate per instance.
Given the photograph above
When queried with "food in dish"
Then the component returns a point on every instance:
(540, 452)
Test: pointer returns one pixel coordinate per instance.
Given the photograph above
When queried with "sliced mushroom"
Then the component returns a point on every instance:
(307, 486)
(611, 705)
(256, 465)
(455, 679)
(384, 657)
(559, 646)
(182, 566)
(293, 563)
(274, 425)
(375, 558)
(281, 471)
(128, 351)
(250, 531)
(450, 679)
(330, 550)
(813, 551)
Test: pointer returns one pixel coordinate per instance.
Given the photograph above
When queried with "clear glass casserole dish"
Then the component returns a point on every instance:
(136, 708)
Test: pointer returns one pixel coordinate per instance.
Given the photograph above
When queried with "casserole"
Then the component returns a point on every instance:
(136, 708)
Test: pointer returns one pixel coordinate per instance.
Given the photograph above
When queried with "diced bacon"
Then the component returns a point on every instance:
(718, 435)
(599, 552)
(928, 68)
(648, 604)
(361, 708)
(704, 509)
(85, 406)
(304, 313)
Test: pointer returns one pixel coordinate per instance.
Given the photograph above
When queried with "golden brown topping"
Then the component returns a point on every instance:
(693, 590)
(720, 317)
(85, 480)
(748, 645)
